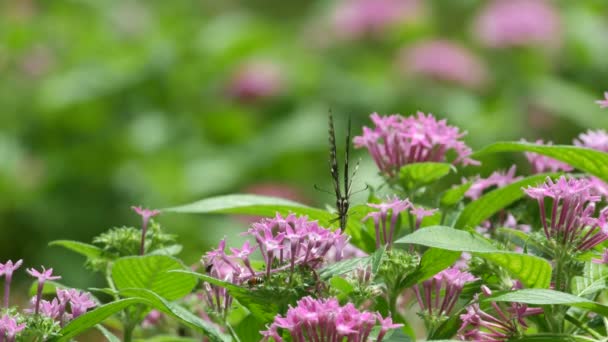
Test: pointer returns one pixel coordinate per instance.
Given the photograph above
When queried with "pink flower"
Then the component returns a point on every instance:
(152, 319)
(355, 19)
(573, 204)
(318, 319)
(541, 163)
(7, 270)
(438, 295)
(10, 328)
(420, 213)
(396, 206)
(445, 61)
(396, 141)
(145, 214)
(497, 179)
(509, 23)
(256, 80)
(603, 103)
(42, 278)
(80, 302)
(597, 140)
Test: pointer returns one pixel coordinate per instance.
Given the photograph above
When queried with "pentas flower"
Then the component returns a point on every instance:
(603, 103)
(438, 295)
(384, 236)
(145, 214)
(445, 61)
(325, 320)
(497, 179)
(256, 80)
(420, 213)
(42, 278)
(7, 270)
(541, 163)
(396, 141)
(511, 23)
(573, 204)
(9, 328)
(479, 325)
(597, 140)
(79, 301)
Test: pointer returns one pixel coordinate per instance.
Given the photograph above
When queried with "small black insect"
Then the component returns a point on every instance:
(342, 198)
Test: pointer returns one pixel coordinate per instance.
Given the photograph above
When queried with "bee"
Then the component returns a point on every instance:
(253, 281)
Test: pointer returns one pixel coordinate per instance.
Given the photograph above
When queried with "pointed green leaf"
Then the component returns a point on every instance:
(150, 272)
(585, 159)
(176, 311)
(433, 261)
(92, 318)
(84, 249)
(593, 280)
(492, 202)
(416, 175)
(549, 297)
(107, 334)
(454, 195)
(532, 271)
(343, 267)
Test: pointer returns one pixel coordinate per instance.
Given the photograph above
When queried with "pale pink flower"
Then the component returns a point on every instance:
(42, 278)
(146, 215)
(541, 163)
(439, 294)
(497, 179)
(380, 217)
(510, 23)
(7, 270)
(256, 80)
(603, 259)
(9, 328)
(445, 61)
(603, 103)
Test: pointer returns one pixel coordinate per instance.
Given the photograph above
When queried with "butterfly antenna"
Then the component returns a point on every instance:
(318, 188)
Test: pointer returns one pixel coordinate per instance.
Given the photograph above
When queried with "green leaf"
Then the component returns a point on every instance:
(549, 297)
(89, 251)
(93, 317)
(176, 311)
(249, 329)
(50, 288)
(594, 279)
(249, 205)
(433, 261)
(343, 267)
(169, 250)
(492, 202)
(546, 337)
(416, 175)
(150, 272)
(585, 159)
(341, 284)
(262, 307)
(454, 195)
(168, 338)
(376, 259)
(532, 271)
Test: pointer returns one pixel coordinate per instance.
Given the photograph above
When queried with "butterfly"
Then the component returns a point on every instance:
(342, 197)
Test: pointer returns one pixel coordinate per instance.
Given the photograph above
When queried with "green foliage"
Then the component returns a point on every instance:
(414, 176)
(549, 297)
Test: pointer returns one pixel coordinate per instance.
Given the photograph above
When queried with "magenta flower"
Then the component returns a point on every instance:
(152, 319)
(478, 325)
(573, 204)
(80, 302)
(7, 270)
(603, 103)
(325, 320)
(420, 213)
(9, 328)
(497, 179)
(243, 254)
(445, 61)
(145, 214)
(355, 19)
(541, 163)
(42, 278)
(438, 295)
(256, 80)
(511, 23)
(53, 309)
(597, 140)
(397, 141)
(395, 206)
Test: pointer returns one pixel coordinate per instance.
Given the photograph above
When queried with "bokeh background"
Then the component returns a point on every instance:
(108, 104)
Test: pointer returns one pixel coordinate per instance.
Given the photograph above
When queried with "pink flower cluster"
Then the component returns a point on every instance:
(57, 308)
(438, 295)
(385, 229)
(497, 179)
(603, 103)
(9, 328)
(541, 163)
(354, 19)
(396, 141)
(571, 221)
(256, 80)
(445, 61)
(478, 325)
(325, 320)
(509, 23)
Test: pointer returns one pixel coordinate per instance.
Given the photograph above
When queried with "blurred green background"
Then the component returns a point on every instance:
(108, 104)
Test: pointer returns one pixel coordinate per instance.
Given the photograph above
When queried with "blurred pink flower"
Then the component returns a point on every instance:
(603, 103)
(256, 80)
(354, 19)
(445, 61)
(509, 23)
(541, 163)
